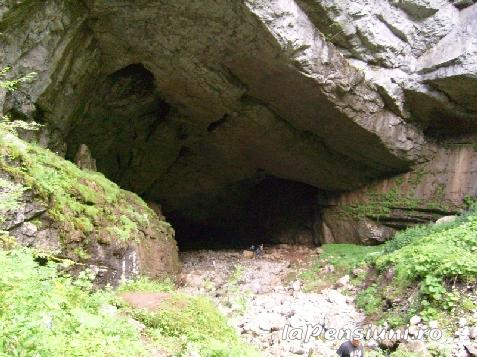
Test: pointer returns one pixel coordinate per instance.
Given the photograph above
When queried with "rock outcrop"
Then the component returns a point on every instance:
(440, 188)
(194, 103)
(51, 205)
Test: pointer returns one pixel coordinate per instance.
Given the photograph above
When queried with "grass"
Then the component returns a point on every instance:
(183, 323)
(370, 300)
(348, 256)
(344, 258)
(145, 284)
(45, 314)
(438, 260)
(424, 270)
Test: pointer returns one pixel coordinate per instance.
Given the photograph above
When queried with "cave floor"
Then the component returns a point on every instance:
(264, 300)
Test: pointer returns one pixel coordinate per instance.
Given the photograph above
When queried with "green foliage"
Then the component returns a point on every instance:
(401, 195)
(349, 256)
(413, 234)
(45, 314)
(344, 258)
(144, 284)
(370, 300)
(443, 253)
(430, 259)
(182, 322)
(235, 295)
(13, 84)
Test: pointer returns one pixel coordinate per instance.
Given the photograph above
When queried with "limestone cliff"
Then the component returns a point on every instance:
(195, 104)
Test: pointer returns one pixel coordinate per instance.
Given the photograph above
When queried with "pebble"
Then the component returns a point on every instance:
(343, 281)
(473, 333)
(415, 320)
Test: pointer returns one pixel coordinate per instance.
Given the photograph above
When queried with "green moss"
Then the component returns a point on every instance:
(381, 204)
(79, 200)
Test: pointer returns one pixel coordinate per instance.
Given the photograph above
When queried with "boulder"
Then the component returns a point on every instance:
(446, 219)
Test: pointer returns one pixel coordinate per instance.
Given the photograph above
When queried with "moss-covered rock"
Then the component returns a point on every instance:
(51, 204)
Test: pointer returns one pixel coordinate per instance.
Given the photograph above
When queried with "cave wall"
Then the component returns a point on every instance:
(446, 185)
(193, 104)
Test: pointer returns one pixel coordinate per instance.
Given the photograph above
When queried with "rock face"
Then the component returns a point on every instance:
(440, 188)
(50, 204)
(194, 104)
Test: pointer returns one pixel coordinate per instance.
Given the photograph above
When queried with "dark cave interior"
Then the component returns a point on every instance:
(145, 145)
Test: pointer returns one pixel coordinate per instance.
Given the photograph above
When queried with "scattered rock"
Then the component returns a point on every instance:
(446, 219)
(109, 309)
(417, 347)
(358, 271)
(137, 325)
(343, 281)
(388, 344)
(390, 273)
(413, 330)
(248, 254)
(473, 333)
(296, 285)
(415, 320)
(269, 305)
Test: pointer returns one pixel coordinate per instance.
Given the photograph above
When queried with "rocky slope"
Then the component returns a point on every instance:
(50, 204)
(194, 104)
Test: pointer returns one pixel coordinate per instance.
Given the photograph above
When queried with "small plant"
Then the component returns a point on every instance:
(234, 293)
(370, 300)
(334, 30)
(13, 84)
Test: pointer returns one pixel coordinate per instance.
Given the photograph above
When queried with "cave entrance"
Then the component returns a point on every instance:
(206, 181)
(270, 212)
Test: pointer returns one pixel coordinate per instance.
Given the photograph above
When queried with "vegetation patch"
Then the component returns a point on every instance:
(428, 270)
(45, 314)
(182, 324)
(337, 260)
(402, 195)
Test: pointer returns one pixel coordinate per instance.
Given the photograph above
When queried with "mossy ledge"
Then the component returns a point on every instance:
(81, 215)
